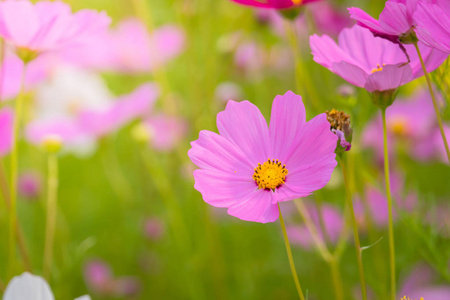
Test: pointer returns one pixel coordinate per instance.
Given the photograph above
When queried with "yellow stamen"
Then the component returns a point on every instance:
(297, 2)
(378, 68)
(270, 175)
(407, 298)
(398, 126)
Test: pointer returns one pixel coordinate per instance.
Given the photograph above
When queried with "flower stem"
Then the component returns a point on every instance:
(389, 199)
(14, 172)
(355, 229)
(291, 259)
(52, 194)
(435, 104)
(337, 283)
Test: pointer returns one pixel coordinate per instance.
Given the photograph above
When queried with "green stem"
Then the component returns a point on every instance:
(389, 199)
(52, 194)
(355, 229)
(435, 104)
(14, 172)
(335, 275)
(291, 259)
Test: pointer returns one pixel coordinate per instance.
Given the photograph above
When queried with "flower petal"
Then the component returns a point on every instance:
(353, 74)
(19, 21)
(256, 207)
(222, 189)
(214, 152)
(288, 116)
(28, 286)
(311, 164)
(390, 77)
(243, 124)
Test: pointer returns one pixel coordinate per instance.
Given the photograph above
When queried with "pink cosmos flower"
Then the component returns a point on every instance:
(433, 23)
(47, 25)
(101, 280)
(165, 131)
(410, 123)
(332, 220)
(371, 62)
(276, 4)
(30, 184)
(6, 131)
(395, 21)
(137, 104)
(249, 167)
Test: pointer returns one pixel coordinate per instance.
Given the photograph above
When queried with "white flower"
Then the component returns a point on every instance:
(30, 287)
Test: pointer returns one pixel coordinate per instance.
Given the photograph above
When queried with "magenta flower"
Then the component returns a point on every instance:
(371, 62)
(47, 25)
(276, 4)
(433, 24)
(421, 283)
(395, 21)
(249, 167)
(6, 131)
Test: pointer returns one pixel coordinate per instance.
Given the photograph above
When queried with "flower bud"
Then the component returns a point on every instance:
(52, 143)
(340, 125)
(141, 133)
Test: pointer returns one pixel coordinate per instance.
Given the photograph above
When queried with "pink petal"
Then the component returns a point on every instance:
(391, 77)
(256, 207)
(19, 21)
(6, 130)
(287, 117)
(365, 20)
(243, 124)
(394, 19)
(353, 74)
(222, 189)
(311, 164)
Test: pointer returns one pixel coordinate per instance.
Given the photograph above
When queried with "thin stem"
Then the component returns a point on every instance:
(435, 104)
(355, 230)
(337, 283)
(291, 259)
(52, 194)
(321, 247)
(302, 82)
(14, 172)
(389, 199)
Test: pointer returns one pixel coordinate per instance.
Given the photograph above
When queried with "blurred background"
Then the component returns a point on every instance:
(130, 224)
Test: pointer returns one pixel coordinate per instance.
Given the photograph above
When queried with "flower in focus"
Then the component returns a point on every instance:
(249, 167)
(395, 22)
(100, 280)
(6, 130)
(371, 62)
(340, 125)
(28, 286)
(333, 225)
(433, 24)
(45, 26)
(276, 4)
(30, 185)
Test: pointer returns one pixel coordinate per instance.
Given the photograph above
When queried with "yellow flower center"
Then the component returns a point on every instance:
(398, 126)
(378, 68)
(407, 298)
(270, 174)
(297, 2)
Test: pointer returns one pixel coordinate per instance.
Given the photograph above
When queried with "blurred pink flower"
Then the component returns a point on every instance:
(30, 185)
(228, 91)
(433, 23)
(101, 280)
(371, 62)
(377, 203)
(410, 123)
(130, 48)
(420, 284)
(249, 168)
(332, 220)
(126, 108)
(329, 19)
(47, 25)
(276, 4)
(165, 131)
(395, 21)
(6, 130)
(250, 58)
(153, 228)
